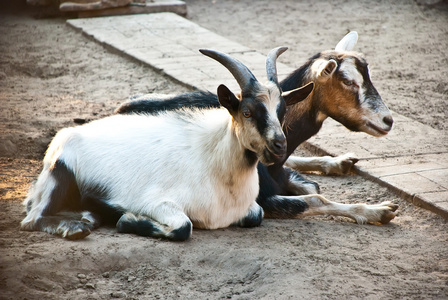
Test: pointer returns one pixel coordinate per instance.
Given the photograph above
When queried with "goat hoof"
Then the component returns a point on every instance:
(77, 235)
(90, 218)
(389, 214)
(387, 217)
(74, 230)
(345, 163)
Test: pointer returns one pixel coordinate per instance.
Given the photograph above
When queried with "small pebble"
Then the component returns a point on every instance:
(118, 295)
(90, 286)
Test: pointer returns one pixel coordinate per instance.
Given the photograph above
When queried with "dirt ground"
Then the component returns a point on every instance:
(50, 74)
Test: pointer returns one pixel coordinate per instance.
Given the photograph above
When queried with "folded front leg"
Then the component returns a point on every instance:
(253, 217)
(166, 220)
(339, 165)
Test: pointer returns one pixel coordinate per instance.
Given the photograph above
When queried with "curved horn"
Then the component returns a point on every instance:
(348, 42)
(242, 74)
(271, 66)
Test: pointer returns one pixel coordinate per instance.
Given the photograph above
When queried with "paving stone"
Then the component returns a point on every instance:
(436, 202)
(413, 183)
(438, 175)
(408, 168)
(436, 197)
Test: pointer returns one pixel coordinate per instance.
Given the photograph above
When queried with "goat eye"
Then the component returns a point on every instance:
(348, 82)
(246, 114)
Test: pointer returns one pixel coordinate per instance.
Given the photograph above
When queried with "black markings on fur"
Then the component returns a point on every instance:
(259, 114)
(270, 184)
(260, 117)
(68, 196)
(371, 95)
(361, 66)
(295, 79)
(299, 180)
(181, 234)
(281, 110)
(142, 226)
(274, 182)
(285, 208)
(251, 157)
(128, 223)
(300, 129)
(94, 199)
(253, 219)
(65, 195)
(151, 106)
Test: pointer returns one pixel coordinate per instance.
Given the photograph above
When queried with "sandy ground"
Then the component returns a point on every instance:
(50, 74)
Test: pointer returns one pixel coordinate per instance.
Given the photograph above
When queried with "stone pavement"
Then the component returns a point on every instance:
(412, 160)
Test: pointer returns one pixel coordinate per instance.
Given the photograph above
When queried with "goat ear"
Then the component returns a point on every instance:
(328, 69)
(228, 99)
(348, 42)
(294, 96)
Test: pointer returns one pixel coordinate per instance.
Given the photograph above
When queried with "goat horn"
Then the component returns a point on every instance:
(271, 66)
(242, 74)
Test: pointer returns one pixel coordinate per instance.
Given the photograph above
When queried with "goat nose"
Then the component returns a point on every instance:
(279, 145)
(388, 120)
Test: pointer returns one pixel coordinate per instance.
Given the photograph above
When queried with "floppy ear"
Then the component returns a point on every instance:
(227, 99)
(294, 96)
(348, 42)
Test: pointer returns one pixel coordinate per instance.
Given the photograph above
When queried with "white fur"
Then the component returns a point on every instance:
(163, 167)
(362, 213)
(271, 91)
(348, 68)
(339, 165)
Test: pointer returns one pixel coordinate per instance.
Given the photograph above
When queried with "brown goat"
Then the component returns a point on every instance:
(343, 91)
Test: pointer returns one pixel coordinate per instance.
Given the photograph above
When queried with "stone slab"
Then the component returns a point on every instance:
(438, 176)
(435, 201)
(170, 44)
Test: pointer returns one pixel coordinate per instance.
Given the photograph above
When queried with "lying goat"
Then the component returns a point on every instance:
(344, 92)
(160, 175)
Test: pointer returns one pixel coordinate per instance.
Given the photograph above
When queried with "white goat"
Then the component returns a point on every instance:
(159, 175)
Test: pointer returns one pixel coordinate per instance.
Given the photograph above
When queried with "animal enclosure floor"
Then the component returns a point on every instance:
(412, 159)
(51, 74)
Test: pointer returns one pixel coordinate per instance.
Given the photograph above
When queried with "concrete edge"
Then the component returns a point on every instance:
(415, 199)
